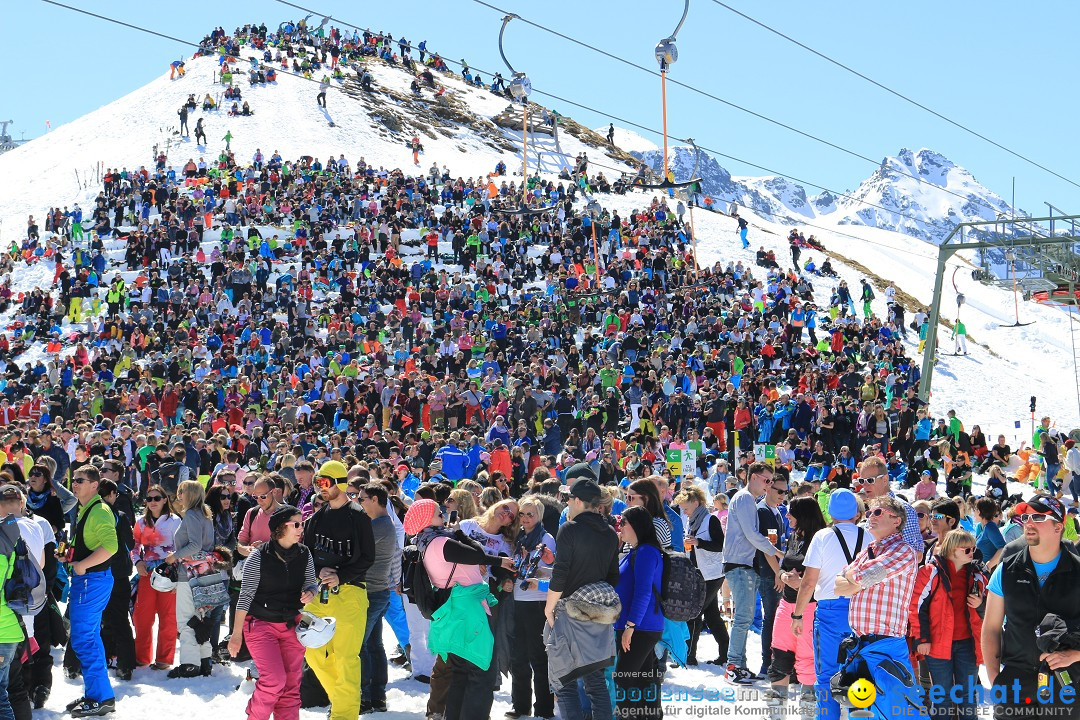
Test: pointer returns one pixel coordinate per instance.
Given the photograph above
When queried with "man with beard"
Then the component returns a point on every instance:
(342, 544)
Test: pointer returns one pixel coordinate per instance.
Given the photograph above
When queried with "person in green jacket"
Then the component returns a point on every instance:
(959, 335)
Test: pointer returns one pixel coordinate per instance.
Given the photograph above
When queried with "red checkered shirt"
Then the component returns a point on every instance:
(886, 571)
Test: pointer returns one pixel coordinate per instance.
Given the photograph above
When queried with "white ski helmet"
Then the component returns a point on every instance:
(163, 579)
(313, 631)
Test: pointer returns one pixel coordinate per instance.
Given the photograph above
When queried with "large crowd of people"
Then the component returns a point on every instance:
(278, 391)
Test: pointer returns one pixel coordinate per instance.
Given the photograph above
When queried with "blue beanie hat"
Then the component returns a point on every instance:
(843, 505)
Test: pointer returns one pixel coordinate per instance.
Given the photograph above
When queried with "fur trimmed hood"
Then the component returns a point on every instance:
(596, 602)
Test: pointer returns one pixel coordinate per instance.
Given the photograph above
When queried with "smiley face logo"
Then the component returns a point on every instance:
(862, 692)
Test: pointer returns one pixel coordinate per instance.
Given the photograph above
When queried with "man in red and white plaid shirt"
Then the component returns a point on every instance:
(880, 581)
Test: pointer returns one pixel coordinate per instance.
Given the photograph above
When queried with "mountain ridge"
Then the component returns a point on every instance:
(891, 198)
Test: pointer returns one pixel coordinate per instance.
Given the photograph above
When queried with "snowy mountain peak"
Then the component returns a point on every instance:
(926, 164)
(922, 194)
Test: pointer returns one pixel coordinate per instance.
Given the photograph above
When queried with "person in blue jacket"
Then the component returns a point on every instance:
(455, 461)
(474, 452)
(551, 440)
(641, 622)
(766, 423)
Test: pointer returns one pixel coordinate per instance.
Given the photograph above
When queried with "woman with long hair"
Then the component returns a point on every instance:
(528, 665)
(945, 621)
(194, 536)
(793, 654)
(641, 622)
(279, 579)
(463, 501)
(644, 494)
(495, 529)
(705, 539)
(154, 535)
(220, 501)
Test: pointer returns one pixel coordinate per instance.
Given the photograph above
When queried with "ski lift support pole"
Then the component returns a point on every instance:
(955, 243)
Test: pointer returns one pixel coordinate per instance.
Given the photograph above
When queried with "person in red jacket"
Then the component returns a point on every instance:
(742, 422)
(945, 623)
(170, 401)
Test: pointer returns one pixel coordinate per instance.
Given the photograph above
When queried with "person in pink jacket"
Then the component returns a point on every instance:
(452, 559)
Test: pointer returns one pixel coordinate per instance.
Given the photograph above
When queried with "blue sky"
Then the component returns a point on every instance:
(992, 66)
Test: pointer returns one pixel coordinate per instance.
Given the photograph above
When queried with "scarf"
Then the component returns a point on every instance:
(696, 519)
(36, 500)
(528, 541)
(223, 528)
(426, 536)
(286, 555)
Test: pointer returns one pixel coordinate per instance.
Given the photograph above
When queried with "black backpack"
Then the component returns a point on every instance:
(167, 476)
(416, 585)
(682, 592)
(682, 588)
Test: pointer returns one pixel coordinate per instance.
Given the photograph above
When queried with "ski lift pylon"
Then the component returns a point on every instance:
(668, 184)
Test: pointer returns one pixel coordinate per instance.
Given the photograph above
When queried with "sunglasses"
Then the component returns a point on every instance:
(79, 480)
(528, 514)
(248, 483)
(967, 550)
(874, 478)
(352, 495)
(154, 498)
(294, 524)
(878, 512)
(262, 496)
(938, 516)
(1034, 517)
(632, 496)
(37, 473)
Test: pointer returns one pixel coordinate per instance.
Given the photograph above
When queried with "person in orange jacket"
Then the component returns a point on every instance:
(500, 459)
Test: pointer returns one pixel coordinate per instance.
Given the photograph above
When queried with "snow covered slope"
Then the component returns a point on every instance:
(629, 140)
(458, 133)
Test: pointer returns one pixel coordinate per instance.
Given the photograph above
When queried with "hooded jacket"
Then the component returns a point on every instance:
(932, 619)
(581, 640)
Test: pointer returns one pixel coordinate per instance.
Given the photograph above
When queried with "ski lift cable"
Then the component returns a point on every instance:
(735, 106)
(896, 93)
